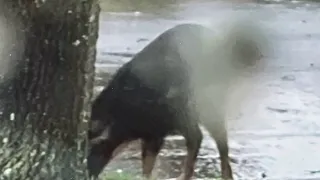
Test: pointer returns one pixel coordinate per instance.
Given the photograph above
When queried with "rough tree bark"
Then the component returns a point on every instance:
(44, 123)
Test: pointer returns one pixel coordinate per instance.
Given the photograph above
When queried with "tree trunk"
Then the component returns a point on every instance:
(43, 130)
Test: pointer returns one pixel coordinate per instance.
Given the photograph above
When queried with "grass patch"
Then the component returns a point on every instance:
(135, 5)
(120, 176)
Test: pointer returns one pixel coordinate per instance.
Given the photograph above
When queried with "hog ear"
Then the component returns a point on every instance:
(247, 53)
(102, 137)
(246, 41)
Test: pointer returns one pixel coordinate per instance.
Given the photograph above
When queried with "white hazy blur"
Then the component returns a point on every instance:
(228, 88)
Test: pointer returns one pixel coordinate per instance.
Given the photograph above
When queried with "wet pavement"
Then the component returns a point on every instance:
(276, 133)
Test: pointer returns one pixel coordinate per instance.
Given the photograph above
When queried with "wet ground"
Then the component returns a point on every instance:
(276, 134)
